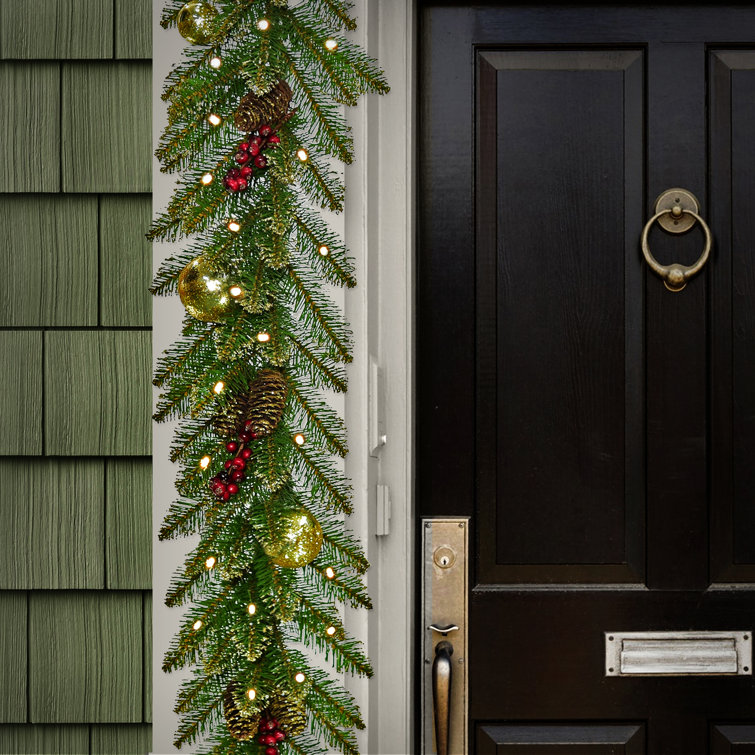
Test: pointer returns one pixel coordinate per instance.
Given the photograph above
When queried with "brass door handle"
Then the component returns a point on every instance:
(442, 694)
(676, 211)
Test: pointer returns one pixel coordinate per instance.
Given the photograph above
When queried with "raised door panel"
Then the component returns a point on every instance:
(560, 385)
(560, 739)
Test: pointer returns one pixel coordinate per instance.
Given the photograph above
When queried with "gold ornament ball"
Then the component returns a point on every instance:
(195, 21)
(297, 539)
(204, 291)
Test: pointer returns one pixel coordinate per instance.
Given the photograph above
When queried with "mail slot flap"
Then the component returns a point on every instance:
(678, 653)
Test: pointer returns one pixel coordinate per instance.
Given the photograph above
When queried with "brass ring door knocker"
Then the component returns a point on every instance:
(676, 212)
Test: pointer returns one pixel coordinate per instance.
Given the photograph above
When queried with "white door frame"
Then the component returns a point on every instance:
(379, 227)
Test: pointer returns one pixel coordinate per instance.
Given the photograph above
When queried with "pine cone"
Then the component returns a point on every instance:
(271, 107)
(262, 406)
(267, 399)
(240, 726)
(290, 712)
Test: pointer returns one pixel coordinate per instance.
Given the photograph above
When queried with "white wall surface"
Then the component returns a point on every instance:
(378, 225)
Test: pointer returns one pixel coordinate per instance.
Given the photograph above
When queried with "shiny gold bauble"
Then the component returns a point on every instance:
(195, 21)
(204, 291)
(297, 539)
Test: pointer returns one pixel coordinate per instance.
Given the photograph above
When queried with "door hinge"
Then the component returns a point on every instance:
(383, 511)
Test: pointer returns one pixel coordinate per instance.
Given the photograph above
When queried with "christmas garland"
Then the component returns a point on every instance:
(254, 123)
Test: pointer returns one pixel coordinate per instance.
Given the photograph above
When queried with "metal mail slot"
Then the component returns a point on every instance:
(679, 653)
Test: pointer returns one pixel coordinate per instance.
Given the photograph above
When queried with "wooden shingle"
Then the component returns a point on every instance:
(85, 657)
(29, 127)
(56, 29)
(28, 739)
(123, 739)
(126, 260)
(128, 543)
(106, 127)
(58, 524)
(13, 648)
(48, 253)
(147, 656)
(20, 392)
(97, 393)
(133, 28)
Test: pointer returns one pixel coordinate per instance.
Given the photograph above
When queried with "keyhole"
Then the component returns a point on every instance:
(444, 557)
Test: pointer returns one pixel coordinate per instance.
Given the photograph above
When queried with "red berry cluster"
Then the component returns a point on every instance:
(225, 483)
(249, 156)
(270, 735)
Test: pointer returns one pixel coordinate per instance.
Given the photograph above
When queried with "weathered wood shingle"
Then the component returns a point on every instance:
(126, 260)
(106, 127)
(97, 393)
(20, 392)
(56, 29)
(53, 514)
(133, 28)
(13, 650)
(48, 253)
(30, 127)
(44, 740)
(85, 657)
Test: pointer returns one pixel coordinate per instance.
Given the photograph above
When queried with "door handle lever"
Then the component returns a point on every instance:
(442, 694)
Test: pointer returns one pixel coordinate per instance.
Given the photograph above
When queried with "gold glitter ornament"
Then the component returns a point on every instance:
(297, 539)
(204, 291)
(240, 725)
(269, 108)
(195, 21)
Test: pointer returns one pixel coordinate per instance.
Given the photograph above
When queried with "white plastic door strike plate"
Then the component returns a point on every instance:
(700, 653)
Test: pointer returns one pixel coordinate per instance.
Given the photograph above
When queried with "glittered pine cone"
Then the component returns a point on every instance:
(290, 712)
(267, 399)
(256, 110)
(240, 725)
(262, 406)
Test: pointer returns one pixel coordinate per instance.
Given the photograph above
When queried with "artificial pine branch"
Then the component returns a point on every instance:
(280, 344)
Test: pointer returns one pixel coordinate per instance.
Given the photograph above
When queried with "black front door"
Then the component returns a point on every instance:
(598, 428)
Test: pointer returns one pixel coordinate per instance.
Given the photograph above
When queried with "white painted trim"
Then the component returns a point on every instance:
(378, 224)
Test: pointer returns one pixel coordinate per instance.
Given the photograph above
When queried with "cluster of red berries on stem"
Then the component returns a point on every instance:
(226, 483)
(270, 735)
(249, 156)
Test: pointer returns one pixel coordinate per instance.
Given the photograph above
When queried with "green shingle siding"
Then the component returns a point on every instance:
(75, 359)
(106, 127)
(48, 253)
(97, 392)
(21, 394)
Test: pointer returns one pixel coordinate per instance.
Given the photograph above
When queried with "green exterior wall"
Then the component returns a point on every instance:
(75, 345)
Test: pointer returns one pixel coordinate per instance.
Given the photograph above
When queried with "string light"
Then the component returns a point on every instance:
(215, 62)
(251, 694)
(263, 337)
(300, 677)
(330, 631)
(235, 291)
(302, 154)
(204, 462)
(215, 120)
(234, 226)
(324, 250)
(219, 387)
(331, 45)
(263, 24)
(252, 609)
(329, 572)
(299, 439)
(197, 625)
(207, 179)
(211, 561)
